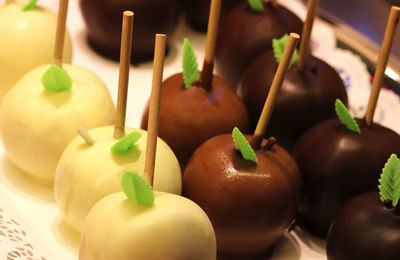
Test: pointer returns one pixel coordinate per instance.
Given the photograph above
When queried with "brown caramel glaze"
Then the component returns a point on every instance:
(197, 12)
(306, 98)
(364, 229)
(250, 205)
(337, 165)
(104, 21)
(245, 34)
(189, 117)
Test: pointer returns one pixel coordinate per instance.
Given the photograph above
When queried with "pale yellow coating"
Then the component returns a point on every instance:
(87, 173)
(37, 124)
(27, 42)
(174, 228)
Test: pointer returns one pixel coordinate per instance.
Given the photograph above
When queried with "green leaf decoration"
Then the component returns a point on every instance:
(126, 143)
(279, 46)
(56, 79)
(389, 183)
(30, 5)
(256, 5)
(243, 145)
(136, 188)
(345, 117)
(189, 64)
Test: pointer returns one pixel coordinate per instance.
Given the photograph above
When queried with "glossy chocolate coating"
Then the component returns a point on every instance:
(189, 117)
(197, 11)
(306, 98)
(104, 22)
(337, 165)
(364, 229)
(250, 205)
(245, 34)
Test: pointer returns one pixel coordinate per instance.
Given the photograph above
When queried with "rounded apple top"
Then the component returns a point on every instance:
(244, 34)
(37, 124)
(364, 229)
(86, 173)
(30, 42)
(174, 228)
(188, 117)
(306, 98)
(249, 204)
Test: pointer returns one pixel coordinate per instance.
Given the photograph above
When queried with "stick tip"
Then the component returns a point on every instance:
(396, 8)
(161, 35)
(128, 13)
(294, 35)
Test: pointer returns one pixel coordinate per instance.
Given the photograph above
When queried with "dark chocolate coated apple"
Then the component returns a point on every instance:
(197, 11)
(104, 19)
(337, 165)
(250, 205)
(306, 98)
(244, 34)
(364, 229)
(189, 117)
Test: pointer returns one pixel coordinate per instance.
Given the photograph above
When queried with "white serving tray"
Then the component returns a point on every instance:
(28, 209)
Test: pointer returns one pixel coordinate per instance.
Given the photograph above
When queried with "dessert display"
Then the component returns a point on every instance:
(91, 168)
(197, 106)
(308, 93)
(40, 114)
(170, 228)
(103, 20)
(197, 12)
(330, 154)
(249, 186)
(28, 33)
(246, 32)
(368, 226)
(148, 225)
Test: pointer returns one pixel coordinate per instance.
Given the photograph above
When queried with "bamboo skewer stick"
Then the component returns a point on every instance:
(273, 92)
(208, 65)
(60, 32)
(304, 51)
(124, 65)
(154, 111)
(382, 63)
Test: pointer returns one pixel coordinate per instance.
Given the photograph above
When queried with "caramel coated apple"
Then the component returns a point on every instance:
(103, 19)
(365, 229)
(250, 205)
(189, 117)
(244, 34)
(337, 165)
(306, 98)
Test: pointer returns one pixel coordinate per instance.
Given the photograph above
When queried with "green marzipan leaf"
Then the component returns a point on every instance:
(126, 143)
(389, 183)
(256, 5)
(136, 188)
(243, 145)
(279, 46)
(56, 79)
(189, 64)
(346, 118)
(30, 5)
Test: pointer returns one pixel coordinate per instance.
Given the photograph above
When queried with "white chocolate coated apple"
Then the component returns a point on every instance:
(37, 124)
(174, 228)
(27, 42)
(87, 173)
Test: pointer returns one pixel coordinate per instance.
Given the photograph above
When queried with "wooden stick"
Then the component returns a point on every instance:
(85, 135)
(304, 51)
(60, 32)
(274, 3)
(276, 85)
(124, 64)
(208, 65)
(152, 127)
(382, 63)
